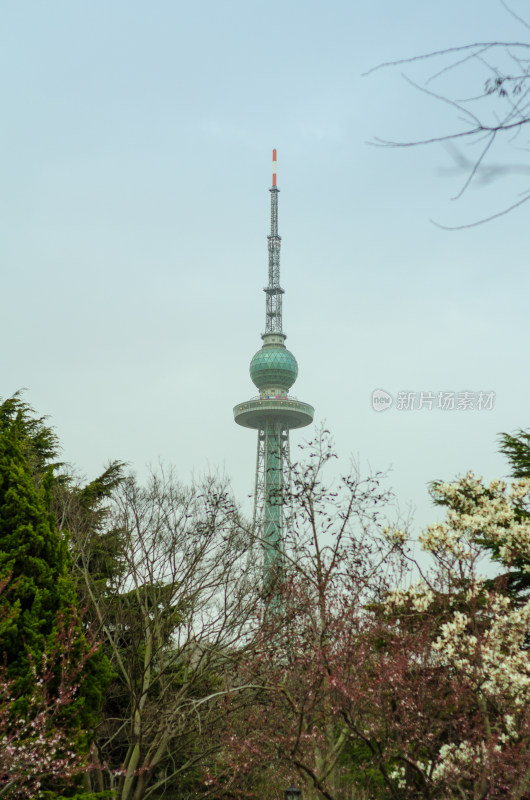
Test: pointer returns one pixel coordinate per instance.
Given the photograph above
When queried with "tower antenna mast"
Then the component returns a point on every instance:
(274, 292)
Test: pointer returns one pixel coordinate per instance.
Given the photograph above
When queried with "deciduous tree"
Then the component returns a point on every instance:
(171, 615)
(286, 725)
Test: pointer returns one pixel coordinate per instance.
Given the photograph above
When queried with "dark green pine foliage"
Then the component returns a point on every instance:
(31, 552)
(40, 597)
(96, 548)
(517, 450)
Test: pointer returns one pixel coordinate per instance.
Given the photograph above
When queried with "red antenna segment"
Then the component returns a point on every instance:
(274, 167)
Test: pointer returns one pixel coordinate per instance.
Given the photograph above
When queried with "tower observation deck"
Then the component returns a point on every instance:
(274, 412)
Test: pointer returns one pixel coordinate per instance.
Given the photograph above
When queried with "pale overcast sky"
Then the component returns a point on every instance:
(136, 146)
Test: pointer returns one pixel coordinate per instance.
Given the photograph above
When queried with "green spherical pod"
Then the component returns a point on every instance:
(273, 366)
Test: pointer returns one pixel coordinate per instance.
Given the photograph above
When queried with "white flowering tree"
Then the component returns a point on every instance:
(464, 638)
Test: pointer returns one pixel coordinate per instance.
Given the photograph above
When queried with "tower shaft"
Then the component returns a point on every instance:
(272, 465)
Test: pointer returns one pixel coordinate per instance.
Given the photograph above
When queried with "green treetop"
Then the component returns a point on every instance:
(41, 594)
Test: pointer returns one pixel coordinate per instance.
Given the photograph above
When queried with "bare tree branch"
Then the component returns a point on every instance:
(500, 112)
(481, 221)
(446, 51)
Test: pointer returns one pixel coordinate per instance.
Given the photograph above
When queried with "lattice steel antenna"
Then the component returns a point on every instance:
(273, 320)
(273, 370)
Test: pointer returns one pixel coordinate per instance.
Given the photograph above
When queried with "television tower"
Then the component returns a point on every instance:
(274, 412)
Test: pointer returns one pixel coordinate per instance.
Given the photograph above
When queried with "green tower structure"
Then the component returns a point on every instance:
(273, 413)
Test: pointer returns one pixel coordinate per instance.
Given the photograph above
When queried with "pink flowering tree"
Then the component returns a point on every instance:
(355, 688)
(38, 747)
(282, 720)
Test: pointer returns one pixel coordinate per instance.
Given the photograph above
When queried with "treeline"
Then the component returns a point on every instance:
(142, 659)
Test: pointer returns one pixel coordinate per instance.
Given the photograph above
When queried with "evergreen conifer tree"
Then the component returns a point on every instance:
(40, 598)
